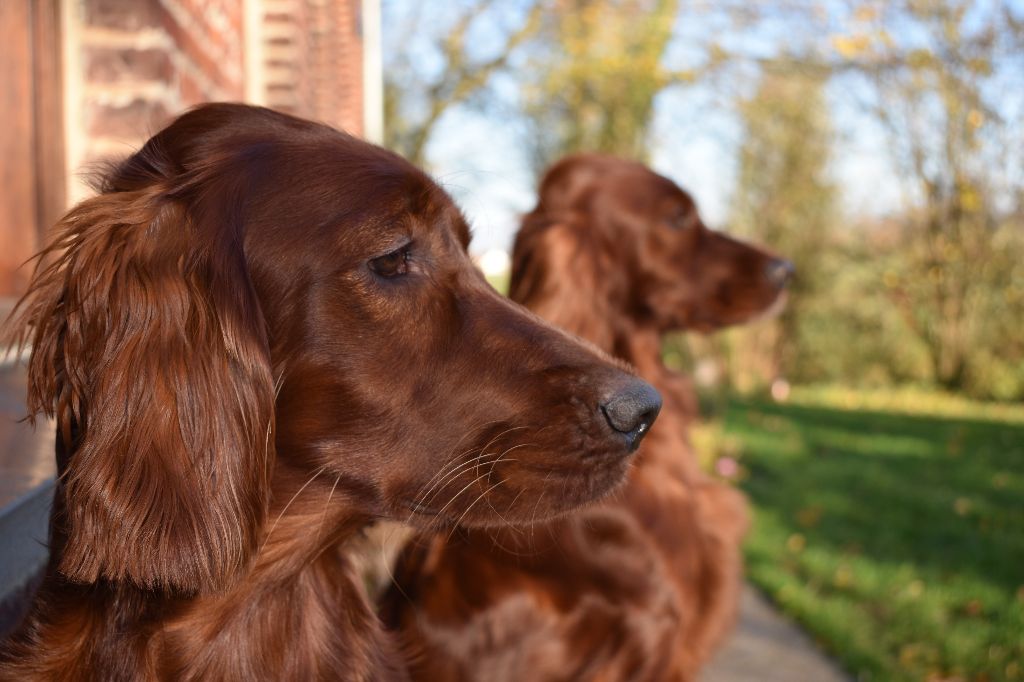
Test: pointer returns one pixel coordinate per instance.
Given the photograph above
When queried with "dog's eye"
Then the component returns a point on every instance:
(392, 264)
(682, 220)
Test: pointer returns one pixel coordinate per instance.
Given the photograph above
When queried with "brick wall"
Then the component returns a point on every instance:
(313, 54)
(134, 64)
(84, 81)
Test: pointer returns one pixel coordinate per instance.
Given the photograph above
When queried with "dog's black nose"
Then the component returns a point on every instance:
(632, 410)
(779, 271)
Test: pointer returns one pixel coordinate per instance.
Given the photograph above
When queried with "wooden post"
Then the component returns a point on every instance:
(31, 134)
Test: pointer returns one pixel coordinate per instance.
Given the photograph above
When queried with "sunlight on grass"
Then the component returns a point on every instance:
(499, 282)
(906, 400)
(894, 535)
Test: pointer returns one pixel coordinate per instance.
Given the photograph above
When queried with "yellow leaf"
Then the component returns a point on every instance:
(843, 576)
(969, 199)
(962, 506)
(914, 589)
(865, 13)
(847, 46)
(809, 517)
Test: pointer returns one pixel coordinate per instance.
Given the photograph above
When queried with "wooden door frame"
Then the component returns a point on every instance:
(32, 115)
(48, 114)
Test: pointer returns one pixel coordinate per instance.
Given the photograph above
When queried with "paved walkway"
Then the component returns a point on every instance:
(769, 648)
(26, 475)
(26, 454)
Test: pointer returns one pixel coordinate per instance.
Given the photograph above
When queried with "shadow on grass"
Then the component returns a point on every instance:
(944, 495)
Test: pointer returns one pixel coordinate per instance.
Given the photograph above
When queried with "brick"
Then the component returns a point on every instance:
(126, 15)
(105, 65)
(312, 60)
(192, 46)
(192, 93)
(136, 119)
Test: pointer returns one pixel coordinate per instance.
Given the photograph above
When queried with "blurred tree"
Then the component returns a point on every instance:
(943, 75)
(930, 292)
(586, 72)
(784, 198)
(591, 76)
(461, 66)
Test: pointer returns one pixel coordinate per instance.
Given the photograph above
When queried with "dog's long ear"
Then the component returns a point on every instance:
(561, 270)
(147, 337)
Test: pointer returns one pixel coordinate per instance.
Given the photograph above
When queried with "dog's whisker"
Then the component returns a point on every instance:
(536, 506)
(281, 515)
(508, 524)
(428, 496)
(478, 478)
(454, 458)
(327, 505)
(481, 496)
(486, 475)
(505, 432)
(456, 495)
(514, 447)
(449, 469)
(458, 471)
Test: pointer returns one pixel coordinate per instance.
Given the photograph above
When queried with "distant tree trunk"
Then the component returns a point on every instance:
(785, 200)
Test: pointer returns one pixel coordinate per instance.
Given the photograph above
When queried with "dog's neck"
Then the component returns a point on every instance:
(299, 612)
(302, 613)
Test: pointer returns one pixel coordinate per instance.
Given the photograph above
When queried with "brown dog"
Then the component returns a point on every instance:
(644, 586)
(262, 335)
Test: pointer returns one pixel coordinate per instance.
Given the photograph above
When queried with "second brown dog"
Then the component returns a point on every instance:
(645, 585)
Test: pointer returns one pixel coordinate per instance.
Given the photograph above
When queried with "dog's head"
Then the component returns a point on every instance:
(617, 240)
(254, 300)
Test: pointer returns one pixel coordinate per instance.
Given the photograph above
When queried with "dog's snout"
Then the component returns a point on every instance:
(632, 410)
(779, 271)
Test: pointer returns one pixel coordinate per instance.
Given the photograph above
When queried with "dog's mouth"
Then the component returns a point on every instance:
(573, 487)
(774, 309)
(419, 508)
(708, 324)
(523, 492)
(579, 452)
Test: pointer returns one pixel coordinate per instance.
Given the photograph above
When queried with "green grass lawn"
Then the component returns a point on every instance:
(891, 527)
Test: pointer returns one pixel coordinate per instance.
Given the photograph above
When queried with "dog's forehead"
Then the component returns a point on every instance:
(346, 190)
(645, 188)
(409, 197)
(393, 200)
(580, 179)
(437, 212)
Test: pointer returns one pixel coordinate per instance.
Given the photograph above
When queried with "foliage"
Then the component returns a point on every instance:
(416, 98)
(785, 198)
(586, 72)
(592, 76)
(929, 293)
(893, 535)
(939, 72)
(933, 293)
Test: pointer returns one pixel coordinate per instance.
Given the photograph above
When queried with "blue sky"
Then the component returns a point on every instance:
(480, 159)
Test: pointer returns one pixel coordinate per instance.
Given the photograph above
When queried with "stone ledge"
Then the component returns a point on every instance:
(23, 536)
